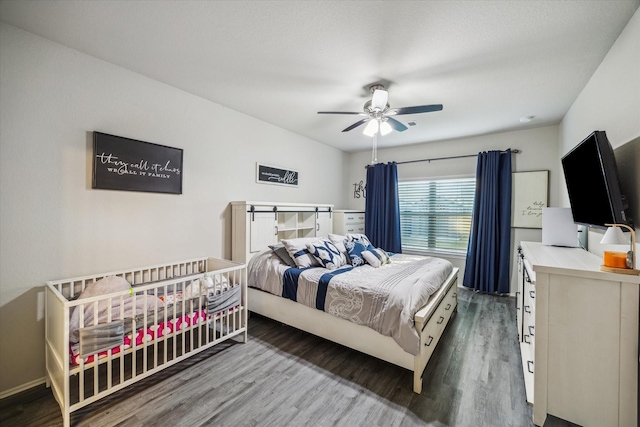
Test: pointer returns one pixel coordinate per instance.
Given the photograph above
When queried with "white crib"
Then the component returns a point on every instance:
(119, 347)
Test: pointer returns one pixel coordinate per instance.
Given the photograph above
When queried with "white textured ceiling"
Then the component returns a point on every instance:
(488, 62)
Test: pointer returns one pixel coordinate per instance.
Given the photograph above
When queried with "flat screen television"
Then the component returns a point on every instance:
(591, 175)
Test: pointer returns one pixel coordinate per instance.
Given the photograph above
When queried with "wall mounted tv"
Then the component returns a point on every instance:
(591, 175)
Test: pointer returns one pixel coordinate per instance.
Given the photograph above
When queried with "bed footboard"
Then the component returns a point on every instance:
(431, 323)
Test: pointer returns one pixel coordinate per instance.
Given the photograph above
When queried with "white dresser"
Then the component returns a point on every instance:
(348, 221)
(578, 328)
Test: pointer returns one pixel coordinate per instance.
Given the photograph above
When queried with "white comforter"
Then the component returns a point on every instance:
(385, 299)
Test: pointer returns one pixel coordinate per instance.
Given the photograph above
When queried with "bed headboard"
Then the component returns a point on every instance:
(256, 225)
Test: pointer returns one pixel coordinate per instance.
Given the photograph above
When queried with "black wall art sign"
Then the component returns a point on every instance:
(128, 164)
(273, 175)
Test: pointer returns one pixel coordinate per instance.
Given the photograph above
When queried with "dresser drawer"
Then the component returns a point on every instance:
(354, 218)
(354, 228)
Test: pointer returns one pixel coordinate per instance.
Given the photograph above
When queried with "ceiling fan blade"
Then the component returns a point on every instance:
(400, 127)
(340, 112)
(379, 99)
(418, 109)
(356, 124)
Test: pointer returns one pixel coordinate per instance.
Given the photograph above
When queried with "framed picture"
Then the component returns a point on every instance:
(128, 164)
(529, 196)
(274, 175)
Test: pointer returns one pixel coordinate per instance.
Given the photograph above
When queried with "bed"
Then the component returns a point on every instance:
(105, 332)
(322, 302)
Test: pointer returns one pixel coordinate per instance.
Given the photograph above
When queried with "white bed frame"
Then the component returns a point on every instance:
(430, 322)
(92, 381)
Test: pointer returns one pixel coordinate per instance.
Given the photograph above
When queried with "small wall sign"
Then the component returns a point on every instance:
(273, 175)
(529, 196)
(128, 164)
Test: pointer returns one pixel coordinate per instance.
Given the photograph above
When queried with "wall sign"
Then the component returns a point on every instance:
(128, 164)
(529, 196)
(272, 175)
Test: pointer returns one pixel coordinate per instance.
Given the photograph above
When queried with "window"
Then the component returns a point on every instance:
(435, 216)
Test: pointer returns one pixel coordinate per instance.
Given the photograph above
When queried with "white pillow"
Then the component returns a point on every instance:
(371, 259)
(338, 240)
(298, 251)
(327, 254)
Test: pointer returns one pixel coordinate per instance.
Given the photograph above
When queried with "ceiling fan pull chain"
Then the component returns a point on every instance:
(374, 152)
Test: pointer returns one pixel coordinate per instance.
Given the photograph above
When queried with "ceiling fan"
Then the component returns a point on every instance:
(378, 114)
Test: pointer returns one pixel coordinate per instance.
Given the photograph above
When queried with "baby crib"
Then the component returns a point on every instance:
(104, 332)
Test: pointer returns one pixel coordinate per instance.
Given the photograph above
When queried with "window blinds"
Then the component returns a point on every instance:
(435, 215)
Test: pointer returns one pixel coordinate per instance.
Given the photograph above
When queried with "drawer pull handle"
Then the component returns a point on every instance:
(529, 365)
(318, 227)
(440, 320)
(532, 294)
(455, 294)
(276, 230)
(430, 340)
(526, 339)
(531, 328)
(527, 309)
(448, 307)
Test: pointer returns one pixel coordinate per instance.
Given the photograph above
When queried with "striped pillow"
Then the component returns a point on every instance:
(298, 251)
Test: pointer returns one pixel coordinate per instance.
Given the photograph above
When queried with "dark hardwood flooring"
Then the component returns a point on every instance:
(285, 377)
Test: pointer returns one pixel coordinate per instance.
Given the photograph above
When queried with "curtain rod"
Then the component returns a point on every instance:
(516, 151)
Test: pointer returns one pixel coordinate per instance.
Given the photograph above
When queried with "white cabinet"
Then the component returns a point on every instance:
(582, 337)
(348, 221)
(256, 225)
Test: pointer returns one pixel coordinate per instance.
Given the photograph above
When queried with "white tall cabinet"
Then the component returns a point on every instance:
(580, 354)
(256, 225)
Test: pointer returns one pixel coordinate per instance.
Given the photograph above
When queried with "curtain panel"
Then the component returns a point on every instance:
(488, 254)
(382, 213)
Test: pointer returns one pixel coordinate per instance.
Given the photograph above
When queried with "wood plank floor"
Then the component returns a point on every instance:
(285, 377)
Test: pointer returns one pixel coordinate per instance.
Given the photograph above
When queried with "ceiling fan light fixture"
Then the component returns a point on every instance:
(379, 99)
(385, 128)
(372, 128)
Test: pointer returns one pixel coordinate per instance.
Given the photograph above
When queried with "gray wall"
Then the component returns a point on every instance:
(539, 148)
(611, 102)
(54, 226)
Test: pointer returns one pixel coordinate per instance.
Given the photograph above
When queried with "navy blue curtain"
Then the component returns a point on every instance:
(382, 214)
(488, 255)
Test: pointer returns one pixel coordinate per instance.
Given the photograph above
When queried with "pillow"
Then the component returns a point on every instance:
(371, 258)
(297, 249)
(282, 253)
(327, 254)
(338, 240)
(359, 237)
(355, 250)
(384, 256)
(376, 257)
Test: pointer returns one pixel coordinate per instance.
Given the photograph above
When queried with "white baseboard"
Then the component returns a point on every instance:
(23, 387)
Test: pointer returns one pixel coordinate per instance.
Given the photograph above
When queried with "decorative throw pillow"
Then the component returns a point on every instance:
(355, 250)
(327, 254)
(384, 256)
(297, 249)
(281, 252)
(371, 258)
(359, 237)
